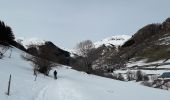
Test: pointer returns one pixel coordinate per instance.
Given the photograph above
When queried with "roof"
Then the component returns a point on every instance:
(165, 75)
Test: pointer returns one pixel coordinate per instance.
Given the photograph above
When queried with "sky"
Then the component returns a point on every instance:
(68, 22)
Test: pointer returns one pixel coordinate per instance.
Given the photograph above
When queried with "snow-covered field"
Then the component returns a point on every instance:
(143, 63)
(70, 85)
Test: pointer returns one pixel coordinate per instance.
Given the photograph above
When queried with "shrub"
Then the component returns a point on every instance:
(41, 61)
(3, 50)
(145, 83)
(139, 76)
(130, 75)
(145, 78)
(120, 77)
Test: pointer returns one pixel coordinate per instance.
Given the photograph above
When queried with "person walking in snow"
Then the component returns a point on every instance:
(55, 74)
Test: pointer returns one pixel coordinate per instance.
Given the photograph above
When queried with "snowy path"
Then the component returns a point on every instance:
(73, 85)
(59, 90)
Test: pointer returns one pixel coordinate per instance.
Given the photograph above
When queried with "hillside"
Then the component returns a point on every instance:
(150, 42)
(71, 84)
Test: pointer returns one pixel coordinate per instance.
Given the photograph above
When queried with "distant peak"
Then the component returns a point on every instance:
(25, 41)
(116, 40)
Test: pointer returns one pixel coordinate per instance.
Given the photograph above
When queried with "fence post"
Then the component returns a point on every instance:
(9, 85)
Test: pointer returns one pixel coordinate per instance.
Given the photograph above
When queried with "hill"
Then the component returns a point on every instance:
(55, 53)
(151, 43)
(71, 84)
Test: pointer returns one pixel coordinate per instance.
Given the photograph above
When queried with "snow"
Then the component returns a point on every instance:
(164, 41)
(143, 63)
(157, 72)
(25, 41)
(72, 52)
(70, 85)
(116, 40)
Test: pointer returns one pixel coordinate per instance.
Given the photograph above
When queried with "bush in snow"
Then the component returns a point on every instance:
(145, 78)
(146, 83)
(41, 61)
(3, 50)
(139, 76)
(130, 75)
(40, 64)
(167, 85)
(120, 77)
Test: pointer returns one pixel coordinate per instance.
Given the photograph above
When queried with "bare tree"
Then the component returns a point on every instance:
(85, 49)
(40, 64)
(3, 50)
(41, 61)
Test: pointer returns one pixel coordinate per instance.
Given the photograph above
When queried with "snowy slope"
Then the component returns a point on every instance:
(116, 40)
(23, 85)
(71, 85)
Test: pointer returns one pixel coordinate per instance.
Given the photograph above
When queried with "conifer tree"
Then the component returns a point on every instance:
(6, 34)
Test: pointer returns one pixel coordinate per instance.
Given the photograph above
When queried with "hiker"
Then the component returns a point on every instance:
(35, 73)
(55, 74)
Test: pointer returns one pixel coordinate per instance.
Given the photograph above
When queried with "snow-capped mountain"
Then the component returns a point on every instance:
(116, 40)
(25, 41)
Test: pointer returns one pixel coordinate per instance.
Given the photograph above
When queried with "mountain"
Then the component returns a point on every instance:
(107, 43)
(55, 53)
(116, 40)
(151, 42)
(70, 85)
(26, 42)
(35, 45)
(103, 48)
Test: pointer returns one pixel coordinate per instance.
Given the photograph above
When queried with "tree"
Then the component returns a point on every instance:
(41, 61)
(6, 34)
(85, 49)
(3, 50)
(131, 75)
(42, 65)
(6, 38)
(120, 77)
(139, 76)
